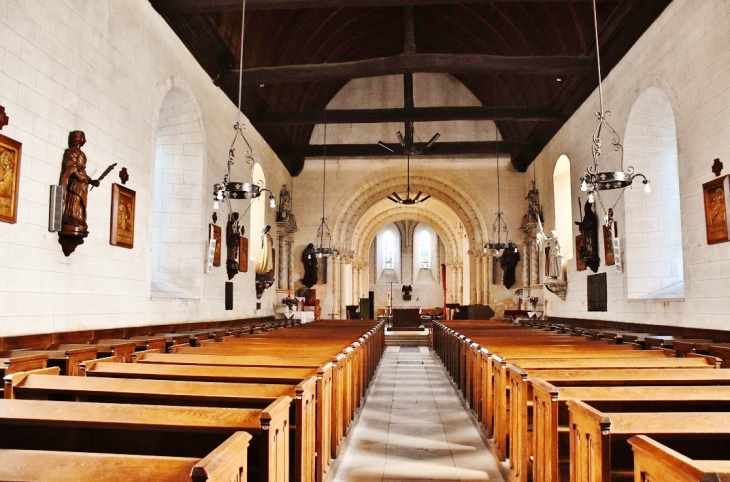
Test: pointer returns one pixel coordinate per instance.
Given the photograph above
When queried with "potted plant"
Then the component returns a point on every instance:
(301, 292)
(406, 290)
(291, 306)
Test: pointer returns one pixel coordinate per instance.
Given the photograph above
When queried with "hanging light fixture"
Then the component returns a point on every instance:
(594, 180)
(409, 148)
(228, 189)
(408, 201)
(495, 245)
(323, 247)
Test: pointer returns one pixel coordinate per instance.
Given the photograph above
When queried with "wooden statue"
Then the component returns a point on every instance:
(317, 310)
(508, 261)
(310, 266)
(589, 229)
(233, 243)
(75, 183)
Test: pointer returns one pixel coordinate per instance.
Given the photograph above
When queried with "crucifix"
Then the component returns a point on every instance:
(3, 118)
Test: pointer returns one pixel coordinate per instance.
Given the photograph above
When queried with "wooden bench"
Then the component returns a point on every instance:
(550, 446)
(18, 361)
(39, 386)
(149, 430)
(510, 424)
(121, 348)
(654, 461)
(269, 375)
(68, 360)
(226, 463)
(598, 440)
(149, 343)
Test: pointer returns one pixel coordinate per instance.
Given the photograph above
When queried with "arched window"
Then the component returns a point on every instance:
(177, 215)
(563, 207)
(653, 255)
(424, 249)
(259, 250)
(388, 250)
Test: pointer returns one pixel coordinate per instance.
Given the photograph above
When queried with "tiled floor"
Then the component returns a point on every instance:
(413, 426)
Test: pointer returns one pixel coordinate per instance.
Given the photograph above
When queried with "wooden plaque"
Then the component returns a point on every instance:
(122, 216)
(580, 262)
(597, 288)
(215, 233)
(717, 205)
(10, 152)
(243, 255)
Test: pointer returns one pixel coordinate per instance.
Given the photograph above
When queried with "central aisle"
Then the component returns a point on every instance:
(413, 426)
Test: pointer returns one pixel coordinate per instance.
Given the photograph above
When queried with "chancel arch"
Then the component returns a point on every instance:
(177, 213)
(653, 257)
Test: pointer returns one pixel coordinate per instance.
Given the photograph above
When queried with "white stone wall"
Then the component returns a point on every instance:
(685, 54)
(105, 67)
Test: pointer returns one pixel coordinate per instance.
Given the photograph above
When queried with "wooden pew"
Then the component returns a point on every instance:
(149, 430)
(39, 386)
(226, 463)
(493, 381)
(550, 445)
(18, 361)
(654, 461)
(510, 425)
(598, 447)
(121, 348)
(68, 360)
(149, 343)
(287, 376)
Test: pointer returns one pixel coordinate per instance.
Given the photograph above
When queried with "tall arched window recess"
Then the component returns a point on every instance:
(425, 250)
(388, 251)
(562, 190)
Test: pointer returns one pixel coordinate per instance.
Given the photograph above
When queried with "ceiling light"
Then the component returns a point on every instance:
(594, 180)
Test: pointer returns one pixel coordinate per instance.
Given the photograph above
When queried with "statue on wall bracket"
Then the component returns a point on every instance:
(75, 183)
(588, 226)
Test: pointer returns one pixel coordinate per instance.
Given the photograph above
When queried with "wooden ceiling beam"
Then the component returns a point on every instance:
(210, 6)
(418, 114)
(374, 150)
(412, 63)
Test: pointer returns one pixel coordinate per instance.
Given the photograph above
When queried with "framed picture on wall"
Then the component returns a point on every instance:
(122, 216)
(215, 233)
(243, 255)
(10, 151)
(716, 194)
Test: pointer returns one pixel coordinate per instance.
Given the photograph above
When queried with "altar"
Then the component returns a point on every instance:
(406, 318)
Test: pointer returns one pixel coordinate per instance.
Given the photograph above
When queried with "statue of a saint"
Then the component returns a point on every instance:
(508, 261)
(233, 242)
(310, 266)
(284, 205)
(555, 263)
(75, 182)
(589, 229)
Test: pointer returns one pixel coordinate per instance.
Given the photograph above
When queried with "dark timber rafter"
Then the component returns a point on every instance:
(418, 114)
(209, 6)
(374, 150)
(411, 63)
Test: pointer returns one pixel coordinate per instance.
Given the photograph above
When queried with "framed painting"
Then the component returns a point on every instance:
(10, 153)
(580, 248)
(215, 233)
(243, 255)
(716, 194)
(122, 222)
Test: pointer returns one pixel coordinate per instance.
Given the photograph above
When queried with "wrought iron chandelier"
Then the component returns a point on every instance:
(495, 245)
(323, 247)
(408, 201)
(228, 189)
(594, 180)
(410, 148)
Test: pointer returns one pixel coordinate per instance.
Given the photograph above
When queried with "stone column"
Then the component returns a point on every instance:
(290, 262)
(336, 288)
(460, 282)
(283, 262)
